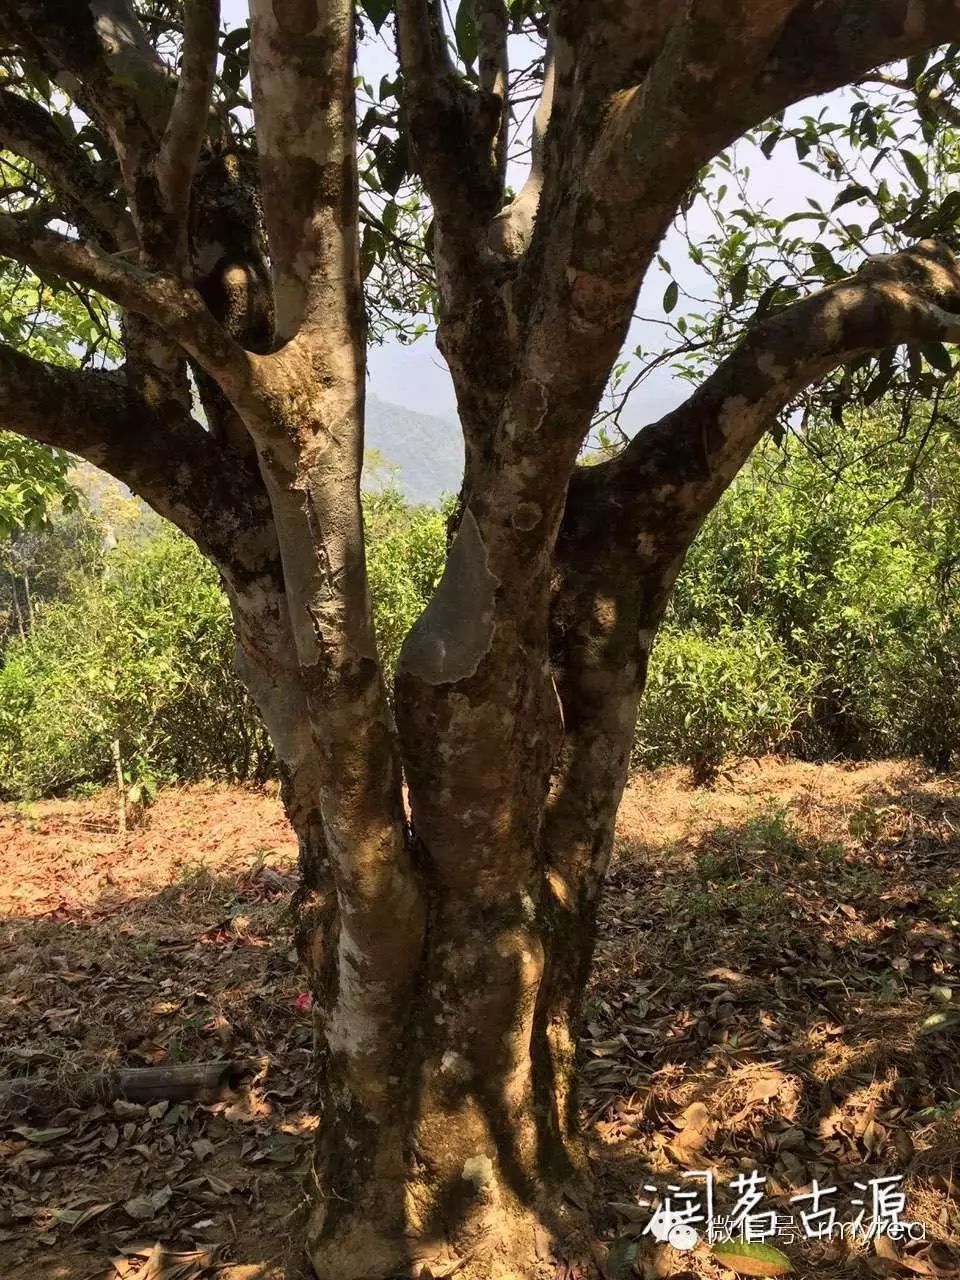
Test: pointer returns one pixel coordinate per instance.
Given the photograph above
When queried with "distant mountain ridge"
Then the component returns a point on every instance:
(422, 453)
(426, 452)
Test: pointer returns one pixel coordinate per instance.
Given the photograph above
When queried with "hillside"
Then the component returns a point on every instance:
(423, 454)
(427, 452)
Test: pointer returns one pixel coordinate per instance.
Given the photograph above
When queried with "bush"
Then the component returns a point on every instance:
(709, 697)
(928, 711)
(406, 547)
(142, 654)
(138, 647)
(841, 547)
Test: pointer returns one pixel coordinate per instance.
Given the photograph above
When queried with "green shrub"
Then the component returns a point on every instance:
(927, 714)
(709, 697)
(139, 648)
(841, 548)
(142, 654)
(406, 547)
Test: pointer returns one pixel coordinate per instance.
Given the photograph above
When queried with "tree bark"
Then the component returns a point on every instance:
(448, 931)
(472, 1171)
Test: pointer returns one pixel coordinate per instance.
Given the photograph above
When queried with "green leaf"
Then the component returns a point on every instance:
(236, 39)
(38, 78)
(917, 170)
(878, 386)
(750, 1258)
(391, 164)
(372, 247)
(738, 285)
(465, 32)
(620, 1257)
(917, 65)
(671, 296)
(823, 261)
(41, 1137)
(849, 194)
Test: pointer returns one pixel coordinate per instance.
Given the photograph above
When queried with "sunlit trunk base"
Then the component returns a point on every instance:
(470, 1168)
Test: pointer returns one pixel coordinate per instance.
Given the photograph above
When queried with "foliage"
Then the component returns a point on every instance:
(50, 321)
(32, 478)
(819, 613)
(44, 563)
(708, 697)
(819, 608)
(877, 168)
(135, 644)
(141, 654)
(405, 553)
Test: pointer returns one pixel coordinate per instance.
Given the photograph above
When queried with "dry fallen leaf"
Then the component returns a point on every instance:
(75, 1218)
(143, 1208)
(767, 1087)
(40, 1137)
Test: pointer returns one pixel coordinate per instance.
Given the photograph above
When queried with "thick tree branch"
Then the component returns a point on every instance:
(912, 296)
(629, 522)
(618, 169)
(168, 459)
(623, 184)
(493, 67)
(302, 70)
(100, 55)
(454, 130)
(29, 131)
(172, 305)
(180, 146)
(797, 50)
(511, 230)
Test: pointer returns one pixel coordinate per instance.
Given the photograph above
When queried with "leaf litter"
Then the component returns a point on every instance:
(776, 989)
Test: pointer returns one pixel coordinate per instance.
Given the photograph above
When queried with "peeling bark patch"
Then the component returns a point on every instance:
(479, 1171)
(532, 404)
(454, 632)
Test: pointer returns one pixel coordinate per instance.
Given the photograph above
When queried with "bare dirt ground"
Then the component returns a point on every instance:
(777, 989)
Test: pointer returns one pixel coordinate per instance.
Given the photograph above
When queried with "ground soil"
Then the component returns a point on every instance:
(777, 989)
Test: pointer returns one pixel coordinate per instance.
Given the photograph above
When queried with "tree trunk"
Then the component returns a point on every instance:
(447, 938)
(17, 612)
(469, 1166)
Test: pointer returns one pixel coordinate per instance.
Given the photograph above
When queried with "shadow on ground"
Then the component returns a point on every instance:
(776, 989)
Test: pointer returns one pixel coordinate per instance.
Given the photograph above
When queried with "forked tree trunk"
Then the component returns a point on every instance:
(467, 1166)
(448, 943)
(472, 1161)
